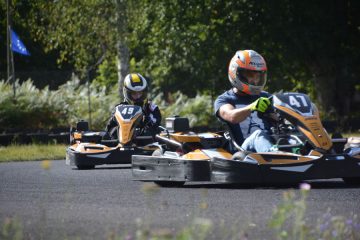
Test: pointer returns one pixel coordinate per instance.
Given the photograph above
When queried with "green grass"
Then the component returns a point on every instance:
(32, 152)
(354, 134)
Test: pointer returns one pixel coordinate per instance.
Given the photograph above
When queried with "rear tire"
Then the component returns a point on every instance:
(352, 180)
(169, 183)
(85, 167)
(82, 126)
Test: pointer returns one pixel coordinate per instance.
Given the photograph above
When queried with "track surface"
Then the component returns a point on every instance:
(65, 203)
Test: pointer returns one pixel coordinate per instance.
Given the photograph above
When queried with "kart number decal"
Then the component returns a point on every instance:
(128, 110)
(294, 102)
(298, 102)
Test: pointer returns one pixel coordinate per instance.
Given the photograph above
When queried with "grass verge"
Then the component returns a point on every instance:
(32, 152)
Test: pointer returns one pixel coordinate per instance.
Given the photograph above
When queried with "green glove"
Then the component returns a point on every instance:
(260, 105)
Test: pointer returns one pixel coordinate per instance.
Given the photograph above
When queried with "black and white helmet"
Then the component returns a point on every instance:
(135, 89)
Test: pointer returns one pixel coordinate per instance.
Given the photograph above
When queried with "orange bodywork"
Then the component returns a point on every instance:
(90, 148)
(207, 154)
(312, 129)
(77, 135)
(127, 128)
(192, 137)
(280, 158)
(181, 137)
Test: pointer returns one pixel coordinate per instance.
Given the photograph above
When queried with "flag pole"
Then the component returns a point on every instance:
(9, 53)
(8, 39)
(13, 73)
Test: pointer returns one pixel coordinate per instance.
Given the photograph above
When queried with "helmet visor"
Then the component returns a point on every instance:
(250, 77)
(135, 97)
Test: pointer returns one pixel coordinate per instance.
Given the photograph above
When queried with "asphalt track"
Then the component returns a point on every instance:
(65, 203)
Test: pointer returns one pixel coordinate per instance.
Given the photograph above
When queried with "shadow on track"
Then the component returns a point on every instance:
(315, 184)
(105, 167)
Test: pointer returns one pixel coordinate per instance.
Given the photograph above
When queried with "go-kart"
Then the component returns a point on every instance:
(89, 148)
(303, 150)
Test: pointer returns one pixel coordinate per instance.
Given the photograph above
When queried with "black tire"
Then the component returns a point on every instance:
(85, 167)
(169, 183)
(352, 180)
(82, 126)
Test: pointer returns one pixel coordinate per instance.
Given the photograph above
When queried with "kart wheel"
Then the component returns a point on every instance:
(169, 184)
(85, 167)
(82, 126)
(352, 180)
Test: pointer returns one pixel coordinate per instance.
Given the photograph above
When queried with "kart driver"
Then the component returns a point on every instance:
(135, 93)
(238, 106)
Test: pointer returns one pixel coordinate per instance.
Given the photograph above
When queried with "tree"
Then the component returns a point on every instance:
(186, 45)
(85, 32)
(309, 46)
(321, 41)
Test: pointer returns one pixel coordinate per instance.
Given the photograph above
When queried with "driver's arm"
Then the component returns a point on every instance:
(234, 115)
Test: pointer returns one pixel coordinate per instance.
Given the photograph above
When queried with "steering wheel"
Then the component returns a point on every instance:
(268, 111)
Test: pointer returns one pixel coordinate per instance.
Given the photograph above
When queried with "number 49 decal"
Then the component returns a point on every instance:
(128, 110)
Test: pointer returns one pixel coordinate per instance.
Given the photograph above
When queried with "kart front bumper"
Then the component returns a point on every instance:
(220, 170)
(117, 155)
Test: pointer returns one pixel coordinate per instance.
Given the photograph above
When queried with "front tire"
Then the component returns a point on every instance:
(85, 167)
(170, 183)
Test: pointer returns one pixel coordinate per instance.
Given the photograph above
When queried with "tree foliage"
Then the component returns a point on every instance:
(83, 31)
(309, 46)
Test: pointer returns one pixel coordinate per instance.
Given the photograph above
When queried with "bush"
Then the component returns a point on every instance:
(31, 109)
(45, 109)
(199, 109)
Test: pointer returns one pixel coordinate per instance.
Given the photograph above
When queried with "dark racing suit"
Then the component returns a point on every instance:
(151, 121)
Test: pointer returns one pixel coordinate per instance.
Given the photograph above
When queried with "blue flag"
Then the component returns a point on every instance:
(17, 45)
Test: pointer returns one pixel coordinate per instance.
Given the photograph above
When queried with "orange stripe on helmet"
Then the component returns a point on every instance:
(240, 63)
(246, 89)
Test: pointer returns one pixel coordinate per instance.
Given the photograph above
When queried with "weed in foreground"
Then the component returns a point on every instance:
(288, 221)
(11, 229)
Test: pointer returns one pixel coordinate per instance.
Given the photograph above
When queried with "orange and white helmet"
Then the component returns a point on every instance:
(135, 89)
(248, 72)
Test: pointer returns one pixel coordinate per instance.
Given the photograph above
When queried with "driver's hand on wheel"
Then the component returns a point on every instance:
(260, 105)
